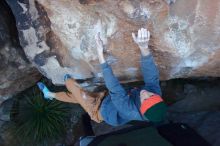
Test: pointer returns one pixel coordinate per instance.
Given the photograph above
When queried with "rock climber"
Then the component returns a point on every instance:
(118, 107)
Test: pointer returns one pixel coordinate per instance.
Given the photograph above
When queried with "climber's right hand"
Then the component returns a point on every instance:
(142, 40)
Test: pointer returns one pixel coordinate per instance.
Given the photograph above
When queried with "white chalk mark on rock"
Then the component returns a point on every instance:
(23, 6)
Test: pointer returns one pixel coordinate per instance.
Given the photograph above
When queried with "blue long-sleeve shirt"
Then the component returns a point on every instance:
(119, 107)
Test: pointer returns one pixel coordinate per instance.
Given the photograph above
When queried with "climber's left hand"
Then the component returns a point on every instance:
(99, 43)
(100, 48)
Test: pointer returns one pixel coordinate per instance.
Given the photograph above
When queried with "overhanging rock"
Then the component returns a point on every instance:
(58, 36)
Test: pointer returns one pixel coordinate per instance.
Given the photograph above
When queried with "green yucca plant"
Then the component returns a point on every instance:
(36, 121)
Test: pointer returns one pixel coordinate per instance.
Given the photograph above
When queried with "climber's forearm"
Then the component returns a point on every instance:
(100, 48)
(150, 74)
(145, 51)
(101, 58)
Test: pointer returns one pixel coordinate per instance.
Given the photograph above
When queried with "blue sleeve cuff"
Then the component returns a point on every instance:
(104, 65)
(145, 58)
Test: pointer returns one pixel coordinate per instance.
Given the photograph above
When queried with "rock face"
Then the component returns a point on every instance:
(16, 72)
(58, 36)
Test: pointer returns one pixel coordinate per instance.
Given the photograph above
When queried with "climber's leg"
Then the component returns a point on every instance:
(62, 96)
(47, 93)
(65, 97)
(90, 103)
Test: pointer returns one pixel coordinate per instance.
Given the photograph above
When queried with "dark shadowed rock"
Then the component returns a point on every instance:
(198, 105)
(16, 72)
(205, 123)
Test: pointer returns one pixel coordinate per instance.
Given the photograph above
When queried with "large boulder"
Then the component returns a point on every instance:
(58, 36)
(16, 72)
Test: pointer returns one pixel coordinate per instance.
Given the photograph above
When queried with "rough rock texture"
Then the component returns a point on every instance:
(58, 36)
(16, 72)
